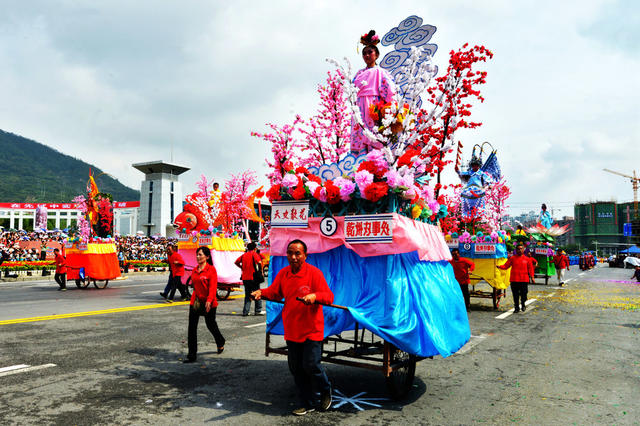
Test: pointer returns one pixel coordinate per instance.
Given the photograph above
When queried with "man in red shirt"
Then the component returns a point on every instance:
(249, 262)
(521, 274)
(61, 270)
(461, 268)
(303, 324)
(562, 262)
(176, 264)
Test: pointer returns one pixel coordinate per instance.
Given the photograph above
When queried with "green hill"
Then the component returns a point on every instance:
(32, 172)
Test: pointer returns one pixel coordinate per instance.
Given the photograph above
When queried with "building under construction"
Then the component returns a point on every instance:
(606, 225)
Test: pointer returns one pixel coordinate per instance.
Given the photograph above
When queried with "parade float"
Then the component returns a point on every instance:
(218, 220)
(90, 250)
(474, 226)
(355, 183)
(540, 244)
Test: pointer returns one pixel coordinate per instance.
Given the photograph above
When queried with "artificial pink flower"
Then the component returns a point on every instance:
(289, 180)
(363, 178)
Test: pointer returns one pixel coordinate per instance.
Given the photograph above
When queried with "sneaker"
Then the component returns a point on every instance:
(163, 295)
(325, 401)
(261, 313)
(168, 300)
(302, 411)
(561, 284)
(516, 310)
(188, 360)
(63, 289)
(524, 308)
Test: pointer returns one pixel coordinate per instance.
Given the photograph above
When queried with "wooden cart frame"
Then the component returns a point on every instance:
(366, 350)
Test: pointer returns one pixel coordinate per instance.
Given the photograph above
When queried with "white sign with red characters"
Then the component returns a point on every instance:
(370, 228)
(184, 237)
(542, 250)
(290, 214)
(485, 248)
(453, 243)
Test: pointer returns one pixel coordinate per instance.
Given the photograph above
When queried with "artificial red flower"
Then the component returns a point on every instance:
(287, 166)
(314, 178)
(299, 193)
(273, 194)
(376, 191)
(302, 170)
(370, 166)
(333, 192)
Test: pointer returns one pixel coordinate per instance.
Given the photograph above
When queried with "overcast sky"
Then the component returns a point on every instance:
(120, 82)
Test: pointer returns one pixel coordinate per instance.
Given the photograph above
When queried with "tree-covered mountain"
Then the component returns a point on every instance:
(33, 172)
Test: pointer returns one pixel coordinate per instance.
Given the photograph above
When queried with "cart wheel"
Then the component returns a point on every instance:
(496, 299)
(100, 284)
(222, 293)
(82, 283)
(400, 381)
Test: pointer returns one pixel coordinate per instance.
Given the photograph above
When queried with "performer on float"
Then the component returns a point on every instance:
(375, 85)
(216, 195)
(545, 217)
(475, 184)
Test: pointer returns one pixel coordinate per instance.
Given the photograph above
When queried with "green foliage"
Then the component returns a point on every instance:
(34, 173)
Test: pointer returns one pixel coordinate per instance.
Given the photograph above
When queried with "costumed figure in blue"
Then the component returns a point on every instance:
(545, 217)
(476, 179)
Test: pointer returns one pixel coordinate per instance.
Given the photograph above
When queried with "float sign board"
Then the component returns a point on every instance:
(184, 237)
(205, 241)
(485, 248)
(453, 243)
(290, 214)
(369, 228)
(542, 251)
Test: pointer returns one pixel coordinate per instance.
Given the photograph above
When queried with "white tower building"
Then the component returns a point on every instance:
(160, 197)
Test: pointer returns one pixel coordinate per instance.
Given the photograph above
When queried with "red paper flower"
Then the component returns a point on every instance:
(273, 194)
(314, 178)
(370, 166)
(333, 192)
(376, 191)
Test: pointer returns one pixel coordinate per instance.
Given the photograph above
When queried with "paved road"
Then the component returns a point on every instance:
(573, 357)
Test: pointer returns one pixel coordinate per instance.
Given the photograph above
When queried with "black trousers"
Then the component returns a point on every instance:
(304, 364)
(519, 291)
(465, 293)
(61, 279)
(249, 287)
(212, 325)
(176, 284)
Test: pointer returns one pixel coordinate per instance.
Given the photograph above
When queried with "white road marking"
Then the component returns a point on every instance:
(26, 369)
(13, 367)
(471, 343)
(255, 325)
(511, 311)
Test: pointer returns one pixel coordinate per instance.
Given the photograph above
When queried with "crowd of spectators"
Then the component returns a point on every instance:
(129, 247)
(142, 248)
(11, 249)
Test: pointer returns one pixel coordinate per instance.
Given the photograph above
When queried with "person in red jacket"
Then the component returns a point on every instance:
(562, 262)
(303, 324)
(204, 279)
(461, 268)
(61, 270)
(249, 262)
(521, 274)
(176, 264)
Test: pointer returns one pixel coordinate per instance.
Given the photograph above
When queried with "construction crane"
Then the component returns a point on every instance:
(634, 182)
